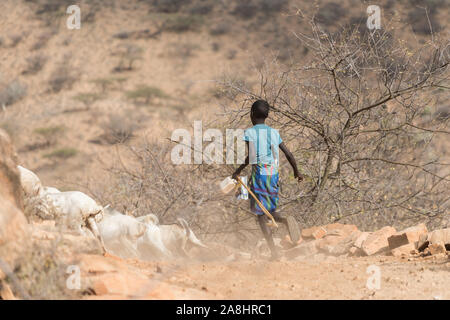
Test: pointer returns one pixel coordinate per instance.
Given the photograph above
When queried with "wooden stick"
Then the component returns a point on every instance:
(258, 202)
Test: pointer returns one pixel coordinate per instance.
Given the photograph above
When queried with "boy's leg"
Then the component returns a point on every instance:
(267, 235)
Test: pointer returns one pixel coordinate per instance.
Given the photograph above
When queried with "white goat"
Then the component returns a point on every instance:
(120, 233)
(176, 237)
(150, 245)
(30, 182)
(75, 210)
(50, 190)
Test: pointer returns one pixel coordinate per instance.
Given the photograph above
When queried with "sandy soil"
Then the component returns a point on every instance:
(320, 277)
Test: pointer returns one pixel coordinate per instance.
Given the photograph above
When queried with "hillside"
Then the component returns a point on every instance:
(94, 109)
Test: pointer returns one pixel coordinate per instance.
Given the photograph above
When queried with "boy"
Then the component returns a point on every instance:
(262, 146)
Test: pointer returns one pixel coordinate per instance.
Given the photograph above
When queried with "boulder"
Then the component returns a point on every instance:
(304, 249)
(404, 250)
(410, 235)
(340, 229)
(377, 241)
(336, 244)
(441, 236)
(436, 248)
(360, 240)
(13, 224)
(354, 251)
(314, 233)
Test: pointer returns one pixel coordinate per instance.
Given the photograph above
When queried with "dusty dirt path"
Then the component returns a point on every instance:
(314, 278)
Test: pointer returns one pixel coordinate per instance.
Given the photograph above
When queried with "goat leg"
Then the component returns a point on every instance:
(92, 225)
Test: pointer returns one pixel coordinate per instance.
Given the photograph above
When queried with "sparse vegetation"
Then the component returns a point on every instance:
(61, 78)
(145, 94)
(245, 9)
(330, 13)
(15, 39)
(87, 99)
(12, 92)
(50, 134)
(423, 21)
(35, 64)
(128, 54)
(221, 28)
(182, 49)
(63, 153)
(183, 23)
(42, 40)
(272, 6)
(201, 8)
(169, 6)
(108, 83)
(42, 275)
(119, 128)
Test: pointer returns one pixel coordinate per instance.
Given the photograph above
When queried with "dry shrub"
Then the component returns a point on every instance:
(352, 117)
(42, 40)
(119, 128)
(42, 274)
(35, 64)
(330, 13)
(183, 23)
(61, 78)
(87, 98)
(220, 28)
(12, 92)
(62, 153)
(128, 54)
(15, 40)
(169, 6)
(145, 94)
(182, 49)
(423, 22)
(50, 134)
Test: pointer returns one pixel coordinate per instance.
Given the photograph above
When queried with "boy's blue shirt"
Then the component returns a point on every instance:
(264, 140)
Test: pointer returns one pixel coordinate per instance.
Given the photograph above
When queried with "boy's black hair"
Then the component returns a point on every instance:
(260, 109)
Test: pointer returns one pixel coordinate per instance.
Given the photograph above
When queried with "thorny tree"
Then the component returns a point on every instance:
(356, 116)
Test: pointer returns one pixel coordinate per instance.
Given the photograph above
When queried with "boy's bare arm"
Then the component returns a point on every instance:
(291, 160)
(242, 166)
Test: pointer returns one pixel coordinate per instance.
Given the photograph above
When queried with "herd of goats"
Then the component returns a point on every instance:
(119, 234)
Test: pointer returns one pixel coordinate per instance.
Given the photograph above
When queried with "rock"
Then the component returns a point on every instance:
(314, 233)
(354, 251)
(441, 236)
(404, 250)
(377, 241)
(407, 236)
(337, 245)
(6, 292)
(360, 240)
(13, 224)
(340, 229)
(304, 249)
(436, 248)
(423, 242)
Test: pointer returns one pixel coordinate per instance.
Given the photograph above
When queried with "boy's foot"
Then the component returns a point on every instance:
(294, 230)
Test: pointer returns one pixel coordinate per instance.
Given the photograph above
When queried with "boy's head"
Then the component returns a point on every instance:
(259, 111)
